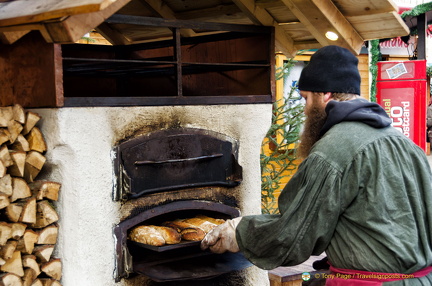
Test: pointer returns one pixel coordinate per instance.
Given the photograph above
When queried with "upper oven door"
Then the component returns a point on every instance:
(174, 159)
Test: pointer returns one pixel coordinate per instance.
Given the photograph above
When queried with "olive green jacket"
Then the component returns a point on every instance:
(363, 196)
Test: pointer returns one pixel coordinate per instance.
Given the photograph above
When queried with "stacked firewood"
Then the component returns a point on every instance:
(28, 220)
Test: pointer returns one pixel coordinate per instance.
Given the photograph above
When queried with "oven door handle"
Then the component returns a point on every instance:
(206, 157)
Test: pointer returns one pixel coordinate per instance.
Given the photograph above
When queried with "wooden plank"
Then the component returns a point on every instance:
(31, 73)
(158, 22)
(30, 11)
(322, 16)
(74, 27)
(112, 35)
(166, 100)
(366, 7)
(12, 37)
(386, 25)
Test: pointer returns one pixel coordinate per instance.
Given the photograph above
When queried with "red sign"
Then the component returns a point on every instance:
(401, 91)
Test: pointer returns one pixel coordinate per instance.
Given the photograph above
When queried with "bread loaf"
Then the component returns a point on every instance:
(147, 234)
(203, 224)
(187, 231)
(154, 235)
(216, 221)
(170, 235)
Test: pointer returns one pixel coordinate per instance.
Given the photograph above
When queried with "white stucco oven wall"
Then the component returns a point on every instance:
(80, 143)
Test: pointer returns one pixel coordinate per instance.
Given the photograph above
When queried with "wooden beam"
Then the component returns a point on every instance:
(260, 16)
(180, 24)
(268, 3)
(386, 25)
(366, 7)
(12, 37)
(112, 36)
(74, 27)
(211, 13)
(22, 12)
(307, 45)
(160, 9)
(320, 16)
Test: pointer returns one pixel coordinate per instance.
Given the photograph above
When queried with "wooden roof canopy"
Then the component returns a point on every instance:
(298, 24)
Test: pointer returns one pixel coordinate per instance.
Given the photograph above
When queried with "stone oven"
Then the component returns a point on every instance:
(81, 156)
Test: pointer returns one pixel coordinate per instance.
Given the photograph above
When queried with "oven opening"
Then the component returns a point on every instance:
(180, 261)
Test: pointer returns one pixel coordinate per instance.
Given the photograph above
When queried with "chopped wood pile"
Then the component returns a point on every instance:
(28, 220)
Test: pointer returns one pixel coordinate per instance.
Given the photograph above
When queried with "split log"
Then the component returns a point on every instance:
(33, 165)
(14, 265)
(45, 189)
(45, 214)
(20, 189)
(36, 140)
(20, 144)
(53, 268)
(29, 277)
(27, 242)
(6, 185)
(9, 279)
(5, 156)
(6, 115)
(14, 129)
(28, 213)
(49, 282)
(37, 282)
(18, 230)
(48, 235)
(17, 168)
(5, 232)
(4, 135)
(7, 250)
(2, 169)
(43, 252)
(18, 113)
(29, 261)
(4, 201)
(13, 212)
(30, 121)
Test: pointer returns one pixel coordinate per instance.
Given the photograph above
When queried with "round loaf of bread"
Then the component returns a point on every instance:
(192, 234)
(147, 234)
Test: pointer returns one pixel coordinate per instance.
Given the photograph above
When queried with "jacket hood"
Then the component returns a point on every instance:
(359, 110)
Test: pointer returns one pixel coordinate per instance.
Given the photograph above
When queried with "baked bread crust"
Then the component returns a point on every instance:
(216, 221)
(170, 235)
(147, 234)
(203, 224)
(187, 231)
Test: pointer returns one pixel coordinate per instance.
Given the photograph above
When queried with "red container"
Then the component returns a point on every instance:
(402, 92)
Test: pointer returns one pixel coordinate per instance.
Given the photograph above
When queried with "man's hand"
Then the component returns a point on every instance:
(222, 238)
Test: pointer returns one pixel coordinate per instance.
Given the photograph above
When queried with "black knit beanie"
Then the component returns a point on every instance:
(331, 69)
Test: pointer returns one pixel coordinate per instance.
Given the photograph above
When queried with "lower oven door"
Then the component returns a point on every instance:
(183, 261)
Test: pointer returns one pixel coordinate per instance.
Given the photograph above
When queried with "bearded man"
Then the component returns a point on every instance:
(362, 195)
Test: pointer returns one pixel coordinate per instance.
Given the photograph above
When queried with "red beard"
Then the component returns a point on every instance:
(311, 131)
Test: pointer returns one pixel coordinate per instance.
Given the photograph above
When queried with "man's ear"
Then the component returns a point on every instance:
(327, 97)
